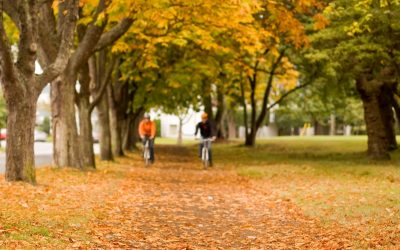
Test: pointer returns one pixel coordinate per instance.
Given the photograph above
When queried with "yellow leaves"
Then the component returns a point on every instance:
(85, 20)
(121, 46)
(11, 29)
(353, 29)
(180, 42)
(174, 84)
(151, 64)
(82, 3)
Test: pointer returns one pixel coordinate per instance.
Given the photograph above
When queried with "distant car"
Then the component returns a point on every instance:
(3, 134)
(40, 136)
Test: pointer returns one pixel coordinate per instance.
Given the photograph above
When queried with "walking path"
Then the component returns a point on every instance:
(176, 205)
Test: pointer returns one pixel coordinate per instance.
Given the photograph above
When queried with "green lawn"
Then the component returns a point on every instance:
(328, 177)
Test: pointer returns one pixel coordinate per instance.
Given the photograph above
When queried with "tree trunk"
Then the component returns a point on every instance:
(105, 131)
(207, 99)
(231, 125)
(132, 134)
(85, 123)
(115, 125)
(20, 158)
(86, 137)
(116, 133)
(66, 144)
(219, 117)
(388, 115)
(251, 138)
(180, 132)
(371, 95)
(332, 122)
(127, 144)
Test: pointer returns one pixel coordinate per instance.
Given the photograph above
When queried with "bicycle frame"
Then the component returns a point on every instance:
(146, 152)
(205, 152)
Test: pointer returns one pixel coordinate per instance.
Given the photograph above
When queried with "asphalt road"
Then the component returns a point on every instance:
(43, 155)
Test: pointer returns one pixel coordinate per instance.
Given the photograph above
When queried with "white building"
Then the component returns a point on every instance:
(170, 124)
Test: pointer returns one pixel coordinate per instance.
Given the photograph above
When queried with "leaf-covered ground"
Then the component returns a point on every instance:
(174, 204)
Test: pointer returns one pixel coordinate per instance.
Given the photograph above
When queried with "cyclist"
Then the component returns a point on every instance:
(206, 132)
(147, 132)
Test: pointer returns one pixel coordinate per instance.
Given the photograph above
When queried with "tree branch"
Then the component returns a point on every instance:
(92, 35)
(8, 70)
(67, 35)
(268, 89)
(114, 34)
(28, 35)
(49, 40)
(104, 84)
(10, 7)
(288, 93)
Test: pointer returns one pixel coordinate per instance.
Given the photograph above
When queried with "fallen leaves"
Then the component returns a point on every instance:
(172, 205)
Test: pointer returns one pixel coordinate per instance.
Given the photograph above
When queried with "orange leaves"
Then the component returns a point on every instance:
(320, 22)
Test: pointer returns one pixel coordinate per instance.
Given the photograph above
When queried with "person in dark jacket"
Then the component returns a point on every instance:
(207, 132)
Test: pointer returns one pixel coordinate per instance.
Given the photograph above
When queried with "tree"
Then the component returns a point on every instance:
(100, 24)
(268, 75)
(363, 36)
(20, 83)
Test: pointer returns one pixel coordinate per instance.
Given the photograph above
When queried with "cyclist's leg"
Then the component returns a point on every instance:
(151, 147)
(209, 153)
(144, 144)
(200, 149)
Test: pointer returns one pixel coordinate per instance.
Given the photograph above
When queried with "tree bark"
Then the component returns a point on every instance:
(332, 123)
(85, 123)
(231, 125)
(251, 138)
(388, 115)
(66, 144)
(207, 99)
(116, 130)
(127, 144)
(105, 131)
(180, 131)
(251, 134)
(372, 98)
(131, 133)
(20, 158)
(220, 115)
(118, 96)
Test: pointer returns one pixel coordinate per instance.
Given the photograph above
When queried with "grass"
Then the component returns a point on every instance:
(328, 177)
(173, 141)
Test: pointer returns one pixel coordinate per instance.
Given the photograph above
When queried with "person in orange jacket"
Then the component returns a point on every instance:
(147, 132)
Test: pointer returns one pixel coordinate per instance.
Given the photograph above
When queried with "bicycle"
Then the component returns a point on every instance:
(205, 157)
(146, 152)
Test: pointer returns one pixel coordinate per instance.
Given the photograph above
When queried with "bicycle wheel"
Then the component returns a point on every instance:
(205, 158)
(146, 156)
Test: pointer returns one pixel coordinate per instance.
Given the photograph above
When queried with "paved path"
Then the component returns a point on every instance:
(43, 154)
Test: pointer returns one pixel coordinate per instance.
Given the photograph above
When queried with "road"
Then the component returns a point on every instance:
(43, 154)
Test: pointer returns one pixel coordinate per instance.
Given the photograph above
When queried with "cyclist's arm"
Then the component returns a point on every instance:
(153, 130)
(197, 130)
(141, 130)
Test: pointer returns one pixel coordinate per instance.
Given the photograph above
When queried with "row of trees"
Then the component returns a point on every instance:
(124, 57)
